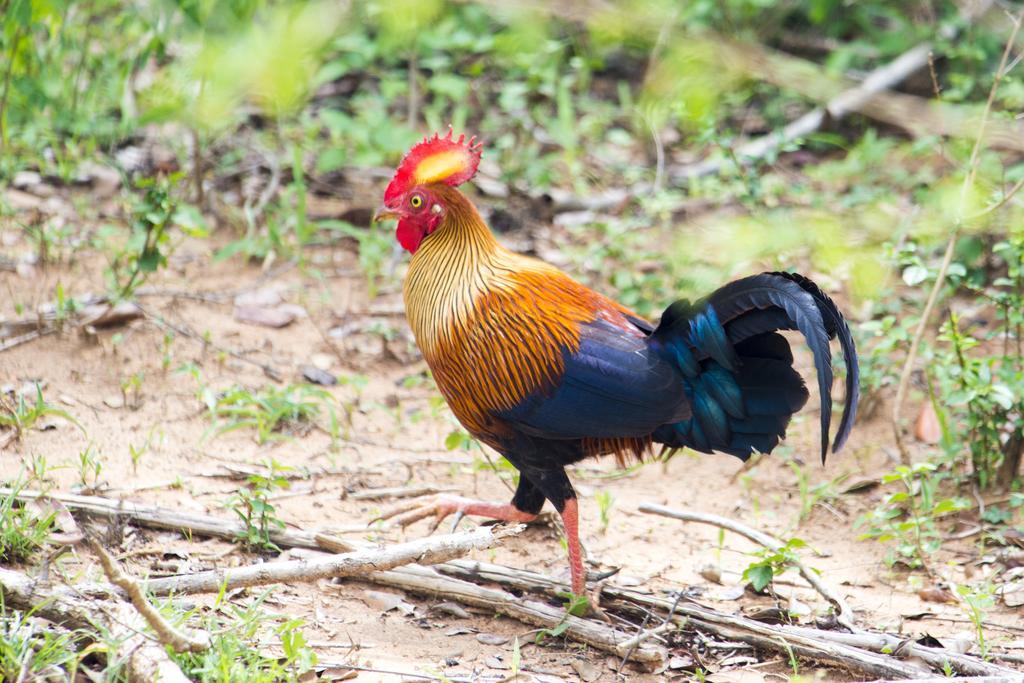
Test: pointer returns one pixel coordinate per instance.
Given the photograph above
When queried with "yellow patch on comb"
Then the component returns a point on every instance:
(441, 166)
(435, 160)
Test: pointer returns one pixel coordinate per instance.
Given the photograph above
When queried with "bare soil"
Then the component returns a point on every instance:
(396, 438)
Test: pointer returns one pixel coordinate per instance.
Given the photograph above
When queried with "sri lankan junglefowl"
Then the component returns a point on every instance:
(548, 372)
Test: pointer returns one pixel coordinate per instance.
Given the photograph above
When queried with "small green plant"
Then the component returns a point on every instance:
(977, 601)
(772, 563)
(460, 440)
(605, 500)
(64, 307)
(232, 655)
(150, 241)
(909, 516)
(90, 466)
(136, 452)
(30, 651)
(252, 505)
(131, 390)
(22, 533)
(166, 351)
(274, 413)
(20, 415)
(985, 390)
(517, 658)
(39, 470)
(575, 605)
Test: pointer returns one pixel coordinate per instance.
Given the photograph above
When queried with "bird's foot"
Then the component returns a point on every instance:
(442, 505)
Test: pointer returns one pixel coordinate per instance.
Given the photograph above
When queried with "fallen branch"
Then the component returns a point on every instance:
(399, 492)
(145, 659)
(426, 581)
(156, 517)
(817, 644)
(918, 116)
(844, 614)
(877, 654)
(710, 620)
(838, 107)
(353, 564)
(179, 641)
(11, 342)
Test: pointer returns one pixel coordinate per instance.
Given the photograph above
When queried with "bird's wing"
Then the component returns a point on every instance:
(612, 386)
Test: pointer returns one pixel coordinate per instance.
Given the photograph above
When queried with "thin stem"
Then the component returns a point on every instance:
(7, 86)
(197, 167)
(947, 258)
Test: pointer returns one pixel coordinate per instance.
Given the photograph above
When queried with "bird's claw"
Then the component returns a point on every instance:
(438, 506)
(459, 514)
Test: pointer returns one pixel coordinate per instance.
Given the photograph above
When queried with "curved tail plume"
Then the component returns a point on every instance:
(738, 370)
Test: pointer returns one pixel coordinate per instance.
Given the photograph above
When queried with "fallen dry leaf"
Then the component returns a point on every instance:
(386, 602)
(315, 375)
(1012, 593)
(1013, 537)
(936, 594)
(266, 317)
(265, 297)
(114, 401)
(496, 663)
(711, 572)
(459, 631)
(927, 428)
(585, 670)
(730, 593)
(102, 316)
(452, 608)
(681, 662)
(491, 639)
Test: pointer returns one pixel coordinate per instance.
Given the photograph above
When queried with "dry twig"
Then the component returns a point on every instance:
(145, 659)
(180, 641)
(427, 581)
(352, 564)
(156, 517)
(845, 614)
(400, 492)
(837, 108)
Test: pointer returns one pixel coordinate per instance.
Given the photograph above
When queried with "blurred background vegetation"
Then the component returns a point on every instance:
(615, 136)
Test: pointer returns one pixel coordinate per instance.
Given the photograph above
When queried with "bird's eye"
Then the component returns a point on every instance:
(416, 201)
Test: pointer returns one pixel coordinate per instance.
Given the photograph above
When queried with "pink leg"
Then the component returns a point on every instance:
(440, 506)
(503, 511)
(571, 520)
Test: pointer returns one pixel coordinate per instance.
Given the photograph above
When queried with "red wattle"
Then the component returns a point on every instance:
(409, 235)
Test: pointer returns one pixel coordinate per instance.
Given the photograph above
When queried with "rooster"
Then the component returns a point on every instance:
(548, 372)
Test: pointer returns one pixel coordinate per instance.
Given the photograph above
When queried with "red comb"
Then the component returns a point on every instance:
(436, 160)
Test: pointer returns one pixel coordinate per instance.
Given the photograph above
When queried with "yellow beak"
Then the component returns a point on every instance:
(384, 213)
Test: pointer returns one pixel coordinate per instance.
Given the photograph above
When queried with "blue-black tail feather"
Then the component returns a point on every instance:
(738, 371)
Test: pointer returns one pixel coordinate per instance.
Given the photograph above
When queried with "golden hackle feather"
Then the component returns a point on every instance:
(493, 324)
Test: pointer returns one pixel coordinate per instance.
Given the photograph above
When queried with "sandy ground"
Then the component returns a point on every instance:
(396, 439)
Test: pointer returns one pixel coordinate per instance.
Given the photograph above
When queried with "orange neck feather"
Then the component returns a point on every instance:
(457, 264)
(493, 325)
